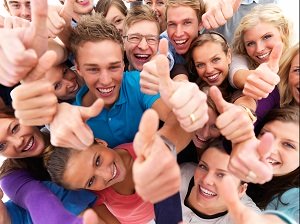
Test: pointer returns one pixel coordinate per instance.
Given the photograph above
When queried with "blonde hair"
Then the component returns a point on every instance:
(197, 5)
(140, 13)
(93, 28)
(286, 96)
(269, 13)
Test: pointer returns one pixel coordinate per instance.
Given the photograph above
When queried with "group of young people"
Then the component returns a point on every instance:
(147, 114)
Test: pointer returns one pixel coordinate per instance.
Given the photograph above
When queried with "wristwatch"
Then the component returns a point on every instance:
(170, 145)
(250, 113)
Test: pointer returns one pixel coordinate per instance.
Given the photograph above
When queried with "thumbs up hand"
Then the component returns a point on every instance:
(233, 122)
(248, 159)
(68, 128)
(263, 80)
(156, 173)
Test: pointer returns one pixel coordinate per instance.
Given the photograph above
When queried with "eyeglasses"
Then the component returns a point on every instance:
(137, 38)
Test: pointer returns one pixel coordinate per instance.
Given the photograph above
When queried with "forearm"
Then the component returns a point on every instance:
(33, 196)
(240, 77)
(246, 101)
(58, 47)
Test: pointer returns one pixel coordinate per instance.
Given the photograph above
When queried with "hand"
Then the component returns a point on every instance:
(58, 17)
(68, 128)
(232, 122)
(20, 48)
(185, 99)
(218, 12)
(12, 22)
(263, 80)
(237, 210)
(4, 215)
(34, 101)
(156, 173)
(149, 81)
(90, 217)
(251, 155)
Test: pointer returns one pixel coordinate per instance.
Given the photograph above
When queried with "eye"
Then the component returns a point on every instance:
(15, 129)
(172, 25)
(202, 166)
(57, 85)
(97, 162)
(91, 181)
(187, 22)
(266, 37)
(92, 70)
(216, 60)
(297, 70)
(249, 44)
(148, 3)
(160, 3)
(118, 21)
(220, 175)
(288, 145)
(2, 146)
(199, 65)
(15, 5)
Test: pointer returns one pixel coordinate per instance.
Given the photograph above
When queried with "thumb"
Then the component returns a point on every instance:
(46, 61)
(91, 111)
(216, 96)
(163, 47)
(68, 9)
(147, 131)
(265, 146)
(90, 217)
(275, 56)
(165, 82)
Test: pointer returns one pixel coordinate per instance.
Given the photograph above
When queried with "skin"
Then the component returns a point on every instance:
(19, 8)
(206, 175)
(66, 83)
(182, 27)
(212, 63)
(135, 51)
(19, 141)
(208, 132)
(83, 6)
(260, 40)
(294, 82)
(284, 156)
(159, 7)
(115, 17)
(103, 77)
(104, 167)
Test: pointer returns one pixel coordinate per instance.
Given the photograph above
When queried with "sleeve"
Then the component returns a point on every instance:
(281, 215)
(238, 62)
(32, 195)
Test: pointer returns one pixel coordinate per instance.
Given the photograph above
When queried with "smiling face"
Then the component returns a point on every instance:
(294, 78)
(211, 63)
(159, 7)
(140, 53)
(66, 82)
(83, 7)
(18, 141)
(285, 155)
(101, 66)
(260, 40)
(182, 27)
(103, 167)
(206, 174)
(203, 135)
(19, 8)
(211, 168)
(115, 17)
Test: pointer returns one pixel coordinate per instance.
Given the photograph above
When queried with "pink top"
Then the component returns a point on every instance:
(128, 209)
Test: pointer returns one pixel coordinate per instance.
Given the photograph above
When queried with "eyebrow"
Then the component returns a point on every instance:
(10, 126)
(111, 63)
(201, 161)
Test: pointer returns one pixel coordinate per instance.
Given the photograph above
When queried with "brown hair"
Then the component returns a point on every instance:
(104, 5)
(140, 13)
(7, 112)
(93, 28)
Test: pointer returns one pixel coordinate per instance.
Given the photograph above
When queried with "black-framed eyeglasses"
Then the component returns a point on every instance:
(137, 38)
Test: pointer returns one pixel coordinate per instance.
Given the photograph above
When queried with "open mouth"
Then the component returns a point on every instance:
(273, 162)
(29, 145)
(106, 91)
(114, 172)
(263, 56)
(207, 193)
(180, 42)
(213, 78)
(142, 57)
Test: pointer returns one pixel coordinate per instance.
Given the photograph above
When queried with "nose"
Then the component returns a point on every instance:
(25, 11)
(69, 84)
(208, 179)
(104, 173)
(209, 68)
(105, 78)
(143, 44)
(260, 46)
(179, 30)
(18, 142)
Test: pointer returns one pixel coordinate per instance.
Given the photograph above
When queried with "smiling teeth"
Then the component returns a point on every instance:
(212, 77)
(272, 161)
(108, 90)
(114, 171)
(201, 139)
(29, 145)
(142, 55)
(207, 192)
(180, 41)
(263, 56)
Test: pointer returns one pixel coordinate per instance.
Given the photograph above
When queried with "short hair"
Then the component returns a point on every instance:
(93, 28)
(7, 112)
(286, 96)
(104, 5)
(269, 13)
(197, 5)
(140, 13)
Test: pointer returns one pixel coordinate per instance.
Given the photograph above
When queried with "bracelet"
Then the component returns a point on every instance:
(250, 113)
(170, 145)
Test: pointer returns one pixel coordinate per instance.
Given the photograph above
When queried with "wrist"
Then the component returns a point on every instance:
(171, 146)
(250, 113)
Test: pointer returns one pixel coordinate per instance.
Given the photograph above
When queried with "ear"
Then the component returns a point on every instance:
(229, 56)
(100, 141)
(77, 69)
(242, 189)
(200, 27)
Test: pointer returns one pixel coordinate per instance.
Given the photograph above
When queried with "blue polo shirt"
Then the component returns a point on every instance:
(120, 123)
